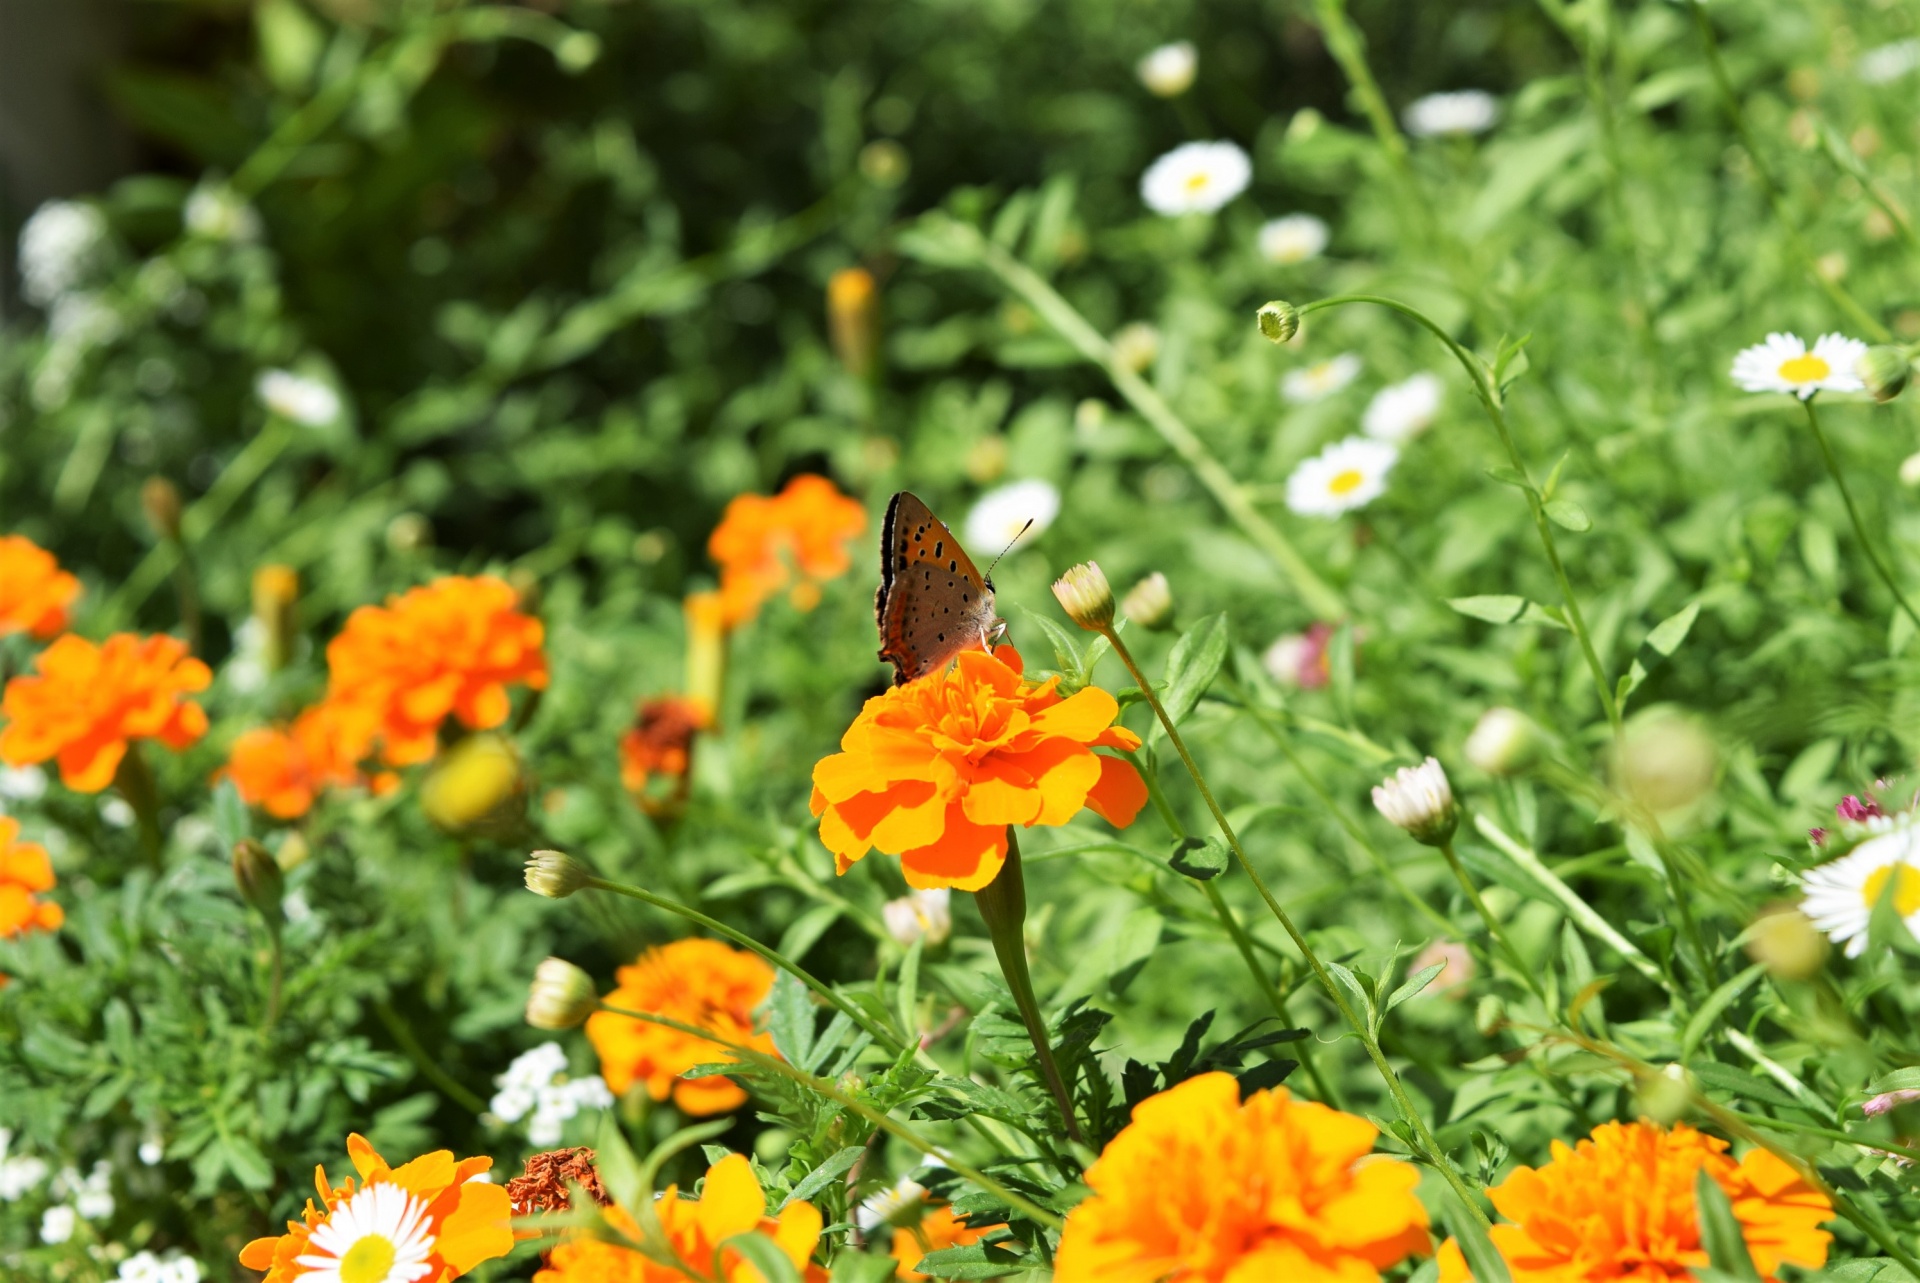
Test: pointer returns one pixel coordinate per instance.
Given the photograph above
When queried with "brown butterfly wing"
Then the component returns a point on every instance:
(933, 601)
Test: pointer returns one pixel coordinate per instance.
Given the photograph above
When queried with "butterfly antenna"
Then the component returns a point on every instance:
(1018, 535)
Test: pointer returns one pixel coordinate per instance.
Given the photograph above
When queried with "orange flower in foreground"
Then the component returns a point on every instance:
(284, 769)
(1202, 1186)
(697, 982)
(939, 1229)
(452, 647)
(24, 870)
(1621, 1206)
(34, 592)
(89, 701)
(763, 541)
(429, 1213)
(934, 771)
(731, 1203)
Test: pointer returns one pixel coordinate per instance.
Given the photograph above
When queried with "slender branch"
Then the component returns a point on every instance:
(1853, 513)
(439, 1077)
(1494, 929)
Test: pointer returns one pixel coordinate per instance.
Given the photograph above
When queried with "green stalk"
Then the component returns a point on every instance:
(1494, 928)
(1003, 905)
(430, 1068)
(1348, 48)
(1395, 1088)
(1853, 513)
(134, 779)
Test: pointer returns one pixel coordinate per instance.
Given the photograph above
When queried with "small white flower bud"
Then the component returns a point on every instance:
(562, 996)
(1886, 370)
(1086, 596)
(1419, 800)
(1136, 346)
(1504, 742)
(1910, 470)
(1149, 603)
(1168, 71)
(555, 874)
(920, 915)
(1278, 321)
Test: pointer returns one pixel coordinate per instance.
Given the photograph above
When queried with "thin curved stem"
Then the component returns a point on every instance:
(1853, 513)
(1494, 929)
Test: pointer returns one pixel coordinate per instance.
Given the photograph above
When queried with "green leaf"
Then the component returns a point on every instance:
(230, 820)
(765, 1256)
(1193, 665)
(824, 1175)
(1736, 1082)
(907, 992)
(1720, 1232)
(805, 930)
(1568, 515)
(1483, 1259)
(790, 1013)
(1671, 631)
(1414, 984)
(1066, 650)
(1201, 859)
(860, 1267)
(1493, 609)
(1714, 1007)
(976, 1261)
(291, 41)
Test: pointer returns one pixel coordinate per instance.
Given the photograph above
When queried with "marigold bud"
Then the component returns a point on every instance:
(920, 915)
(1085, 595)
(475, 783)
(555, 874)
(853, 319)
(276, 599)
(1278, 321)
(160, 500)
(1504, 742)
(562, 996)
(1149, 603)
(1419, 800)
(1886, 370)
(259, 879)
(1785, 942)
(1664, 1096)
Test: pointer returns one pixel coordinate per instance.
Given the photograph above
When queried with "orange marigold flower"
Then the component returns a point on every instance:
(430, 1212)
(451, 647)
(1621, 1206)
(661, 741)
(731, 1203)
(24, 871)
(90, 700)
(34, 592)
(934, 771)
(283, 769)
(762, 541)
(938, 1229)
(697, 982)
(1204, 1186)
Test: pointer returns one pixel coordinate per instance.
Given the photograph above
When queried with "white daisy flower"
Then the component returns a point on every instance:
(60, 247)
(1346, 475)
(115, 813)
(1000, 513)
(920, 915)
(1466, 111)
(1841, 895)
(22, 784)
(1401, 411)
(1168, 71)
(380, 1235)
(884, 1206)
(56, 1225)
(1292, 238)
(308, 402)
(1314, 382)
(1784, 363)
(145, 1267)
(1887, 63)
(1196, 178)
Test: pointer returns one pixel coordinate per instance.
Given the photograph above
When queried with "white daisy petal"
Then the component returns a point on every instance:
(307, 402)
(1293, 238)
(1196, 178)
(1839, 896)
(1346, 475)
(1000, 513)
(1401, 411)
(380, 1235)
(1784, 363)
(1314, 382)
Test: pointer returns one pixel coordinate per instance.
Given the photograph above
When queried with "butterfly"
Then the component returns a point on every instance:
(933, 601)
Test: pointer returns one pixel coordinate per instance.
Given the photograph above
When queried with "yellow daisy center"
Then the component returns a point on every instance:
(1346, 482)
(1198, 182)
(369, 1260)
(1906, 892)
(1805, 368)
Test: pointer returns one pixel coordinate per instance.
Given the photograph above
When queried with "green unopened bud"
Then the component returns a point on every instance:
(1149, 603)
(555, 874)
(1419, 800)
(160, 500)
(1278, 321)
(259, 879)
(1504, 741)
(561, 997)
(1886, 371)
(1664, 1096)
(1086, 596)
(1785, 942)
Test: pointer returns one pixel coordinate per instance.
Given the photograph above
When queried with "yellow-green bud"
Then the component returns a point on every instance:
(1504, 741)
(1086, 597)
(1885, 370)
(1785, 942)
(475, 785)
(1278, 321)
(259, 879)
(1664, 1096)
(555, 874)
(561, 997)
(1149, 603)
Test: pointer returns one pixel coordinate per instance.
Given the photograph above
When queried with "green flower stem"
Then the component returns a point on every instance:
(1853, 513)
(1325, 601)
(428, 1067)
(821, 1086)
(1491, 400)
(1242, 942)
(1494, 929)
(1003, 904)
(851, 1011)
(1348, 48)
(1395, 1088)
(134, 779)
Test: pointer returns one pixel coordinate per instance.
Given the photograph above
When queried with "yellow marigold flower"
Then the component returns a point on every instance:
(25, 872)
(763, 541)
(938, 1229)
(89, 701)
(730, 1204)
(1202, 1187)
(427, 1221)
(1621, 1206)
(450, 648)
(697, 982)
(934, 771)
(34, 592)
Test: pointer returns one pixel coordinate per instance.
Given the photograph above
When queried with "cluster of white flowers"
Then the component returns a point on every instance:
(920, 915)
(20, 1174)
(1321, 379)
(1293, 238)
(1346, 475)
(537, 1084)
(307, 402)
(60, 246)
(22, 784)
(1466, 111)
(145, 1267)
(1196, 178)
(1000, 514)
(1401, 411)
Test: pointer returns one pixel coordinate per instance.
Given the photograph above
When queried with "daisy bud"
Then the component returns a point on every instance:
(1149, 603)
(853, 319)
(1137, 346)
(1785, 942)
(259, 879)
(1278, 321)
(561, 997)
(920, 915)
(475, 784)
(1086, 597)
(1168, 71)
(1666, 762)
(1664, 1096)
(1419, 800)
(160, 500)
(293, 853)
(555, 874)
(276, 597)
(1504, 742)
(1910, 470)
(1885, 370)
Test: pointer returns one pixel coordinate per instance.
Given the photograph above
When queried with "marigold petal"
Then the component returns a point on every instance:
(1002, 793)
(730, 1202)
(967, 857)
(1081, 716)
(1066, 783)
(479, 1228)
(426, 1175)
(705, 1097)
(1119, 794)
(258, 1255)
(911, 824)
(89, 766)
(797, 1230)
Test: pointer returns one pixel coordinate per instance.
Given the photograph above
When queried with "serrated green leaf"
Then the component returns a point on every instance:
(819, 1178)
(1714, 1007)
